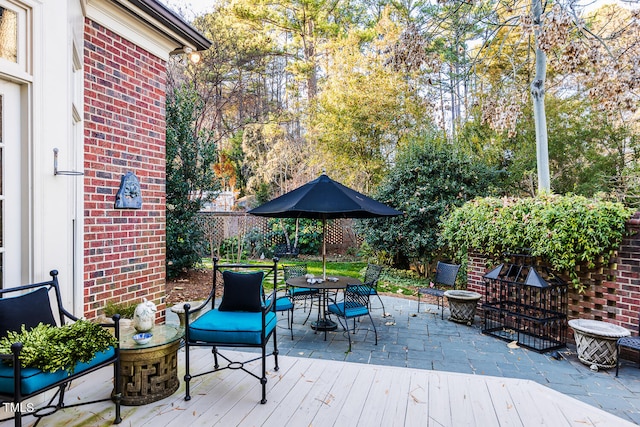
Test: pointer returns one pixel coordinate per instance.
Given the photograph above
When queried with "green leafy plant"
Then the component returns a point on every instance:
(125, 310)
(51, 348)
(564, 230)
(191, 181)
(428, 180)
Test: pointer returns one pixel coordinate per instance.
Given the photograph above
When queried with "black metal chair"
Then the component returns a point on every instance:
(354, 304)
(445, 277)
(370, 283)
(299, 294)
(27, 306)
(632, 343)
(244, 318)
(284, 302)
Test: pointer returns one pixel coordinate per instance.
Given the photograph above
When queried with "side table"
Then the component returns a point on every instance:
(596, 341)
(149, 372)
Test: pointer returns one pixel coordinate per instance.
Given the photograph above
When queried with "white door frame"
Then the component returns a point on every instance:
(11, 145)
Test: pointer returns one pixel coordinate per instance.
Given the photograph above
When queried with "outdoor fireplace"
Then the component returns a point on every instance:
(527, 304)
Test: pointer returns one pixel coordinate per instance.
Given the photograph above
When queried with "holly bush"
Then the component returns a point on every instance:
(191, 181)
(564, 230)
(428, 180)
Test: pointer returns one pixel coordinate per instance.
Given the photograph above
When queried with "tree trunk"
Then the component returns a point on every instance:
(310, 56)
(539, 115)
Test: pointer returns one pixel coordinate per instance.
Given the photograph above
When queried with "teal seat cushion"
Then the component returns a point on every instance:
(282, 304)
(231, 327)
(353, 309)
(34, 379)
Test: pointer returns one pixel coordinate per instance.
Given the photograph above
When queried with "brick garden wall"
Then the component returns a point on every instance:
(612, 293)
(124, 125)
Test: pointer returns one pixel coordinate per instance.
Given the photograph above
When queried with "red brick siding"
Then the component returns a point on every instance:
(124, 130)
(612, 292)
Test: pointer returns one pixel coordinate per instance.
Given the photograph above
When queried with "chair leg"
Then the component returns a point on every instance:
(441, 305)
(418, 302)
(187, 376)
(290, 320)
(117, 395)
(383, 310)
(275, 350)
(263, 379)
(214, 350)
(375, 331)
(617, 358)
(309, 314)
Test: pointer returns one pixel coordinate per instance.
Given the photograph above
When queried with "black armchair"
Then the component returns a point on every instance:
(299, 294)
(244, 318)
(355, 304)
(370, 284)
(445, 277)
(30, 305)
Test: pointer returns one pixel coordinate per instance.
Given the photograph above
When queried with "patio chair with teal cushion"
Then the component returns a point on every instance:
(370, 284)
(284, 302)
(355, 304)
(27, 306)
(299, 294)
(244, 318)
(445, 277)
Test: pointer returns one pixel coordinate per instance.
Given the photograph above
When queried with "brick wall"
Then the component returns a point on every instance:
(612, 291)
(124, 125)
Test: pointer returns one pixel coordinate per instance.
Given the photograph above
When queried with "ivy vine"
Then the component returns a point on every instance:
(564, 230)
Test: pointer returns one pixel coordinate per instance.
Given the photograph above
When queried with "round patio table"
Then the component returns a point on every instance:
(330, 283)
(596, 341)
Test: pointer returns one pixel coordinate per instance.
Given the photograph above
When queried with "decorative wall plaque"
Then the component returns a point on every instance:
(129, 195)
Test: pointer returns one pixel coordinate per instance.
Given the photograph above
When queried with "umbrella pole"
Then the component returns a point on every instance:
(324, 249)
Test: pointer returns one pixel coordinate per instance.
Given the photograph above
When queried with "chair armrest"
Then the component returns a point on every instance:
(270, 302)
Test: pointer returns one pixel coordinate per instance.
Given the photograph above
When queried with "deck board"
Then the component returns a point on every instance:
(439, 407)
(503, 404)
(417, 402)
(323, 392)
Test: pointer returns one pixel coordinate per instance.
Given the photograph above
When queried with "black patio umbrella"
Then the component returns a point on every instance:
(324, 198)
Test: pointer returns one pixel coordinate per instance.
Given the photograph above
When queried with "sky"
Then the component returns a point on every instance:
(199, 7)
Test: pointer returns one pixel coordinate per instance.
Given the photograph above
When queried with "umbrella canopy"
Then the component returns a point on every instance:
(324, 198)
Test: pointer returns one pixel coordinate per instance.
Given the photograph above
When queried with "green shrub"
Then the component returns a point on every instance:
(427, 181)
(564, 230)
(125, 310)
(190, 178)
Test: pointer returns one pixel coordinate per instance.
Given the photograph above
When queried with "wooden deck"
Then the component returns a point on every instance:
(312, 392)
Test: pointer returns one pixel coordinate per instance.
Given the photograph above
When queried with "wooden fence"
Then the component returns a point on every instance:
(225, 225)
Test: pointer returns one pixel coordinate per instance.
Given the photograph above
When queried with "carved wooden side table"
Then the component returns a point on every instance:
(149, 371)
